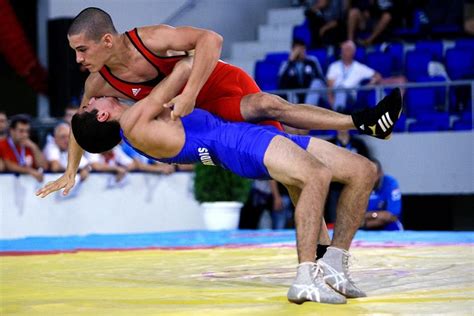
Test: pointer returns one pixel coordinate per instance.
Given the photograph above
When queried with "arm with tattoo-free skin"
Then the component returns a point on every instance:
(207, 47)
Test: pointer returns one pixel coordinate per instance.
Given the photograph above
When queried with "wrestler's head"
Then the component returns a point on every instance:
(95, 127)
(91, 35)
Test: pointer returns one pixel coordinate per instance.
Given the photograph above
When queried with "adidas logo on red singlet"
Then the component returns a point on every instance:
(136, 91)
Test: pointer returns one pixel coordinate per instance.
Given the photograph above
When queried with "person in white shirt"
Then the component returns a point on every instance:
(114, 160)
(56, 152)
(347, 73)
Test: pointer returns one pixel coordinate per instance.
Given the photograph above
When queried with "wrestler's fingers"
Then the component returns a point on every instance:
(47, 189)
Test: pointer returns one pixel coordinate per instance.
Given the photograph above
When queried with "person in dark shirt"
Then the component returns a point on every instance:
(324, 19)
(299, 70)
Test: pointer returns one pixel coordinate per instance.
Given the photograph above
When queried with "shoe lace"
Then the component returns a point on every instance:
(315, 272)
(347, 261)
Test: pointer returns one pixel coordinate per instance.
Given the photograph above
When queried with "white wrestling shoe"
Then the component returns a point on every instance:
(310, 286)
(335, 265)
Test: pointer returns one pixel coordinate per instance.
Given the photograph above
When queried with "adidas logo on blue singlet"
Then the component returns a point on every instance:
(205, 156)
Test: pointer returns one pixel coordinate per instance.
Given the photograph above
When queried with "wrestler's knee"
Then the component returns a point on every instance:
(265, 106)
(366, 173)
(316, 175)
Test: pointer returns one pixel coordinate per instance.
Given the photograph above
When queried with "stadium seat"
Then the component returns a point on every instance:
(302, 32)
(434, 48)
(382, 62)
(277, 57)
(465, 43)
(419, 101)
(400, 125)
(266, 75)
(460, 63)
(416, 65)
(430, 122)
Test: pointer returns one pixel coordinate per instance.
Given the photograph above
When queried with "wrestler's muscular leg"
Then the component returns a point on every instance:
(292, 166)
(323, 238)
(262, 106)
(358, 175)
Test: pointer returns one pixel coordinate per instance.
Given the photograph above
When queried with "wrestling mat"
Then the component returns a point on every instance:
(229, 273)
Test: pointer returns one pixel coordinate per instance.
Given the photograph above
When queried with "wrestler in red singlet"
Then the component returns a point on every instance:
(221, 94)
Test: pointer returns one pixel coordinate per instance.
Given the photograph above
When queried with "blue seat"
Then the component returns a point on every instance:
(419, 101)
(416, 65)
(277, 57)
(462, 125)
(437, 121)
(360, 54)
(460, 63)
(266, 75)
(302, 32)
(434, 48)
(381, 62)
(465, 43)
(400, 125)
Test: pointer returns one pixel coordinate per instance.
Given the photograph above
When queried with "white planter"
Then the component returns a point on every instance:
(221, 215)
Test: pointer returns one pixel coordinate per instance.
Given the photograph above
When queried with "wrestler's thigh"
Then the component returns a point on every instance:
(344, 164)
(289, 164)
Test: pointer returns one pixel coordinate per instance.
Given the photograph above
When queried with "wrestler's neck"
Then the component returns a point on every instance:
(122, 53)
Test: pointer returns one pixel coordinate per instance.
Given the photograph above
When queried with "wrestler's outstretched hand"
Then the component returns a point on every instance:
(181, 105)
(65, 182)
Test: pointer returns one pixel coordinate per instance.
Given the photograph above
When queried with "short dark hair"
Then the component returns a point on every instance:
(94, 22)
(94, 136)
(298, 41)
(19, 118)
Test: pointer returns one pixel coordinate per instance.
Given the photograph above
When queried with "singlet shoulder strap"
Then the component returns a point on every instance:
(145, 51)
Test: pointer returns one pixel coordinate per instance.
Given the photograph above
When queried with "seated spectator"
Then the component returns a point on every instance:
(56, 152)
(347, 73)
(3, 125)
(352, 143)
(324, 21)
(469, 17)
(265, 195)
(114, 160)
(385, 204)
(372, 16)
(299, 71)
(144, 164)
(69, 112)
(19, 152)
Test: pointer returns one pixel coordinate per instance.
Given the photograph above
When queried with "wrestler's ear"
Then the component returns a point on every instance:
(103, 116)
(107, 40)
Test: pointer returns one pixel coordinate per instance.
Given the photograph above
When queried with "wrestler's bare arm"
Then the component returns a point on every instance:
(207, 45)
(94, 86)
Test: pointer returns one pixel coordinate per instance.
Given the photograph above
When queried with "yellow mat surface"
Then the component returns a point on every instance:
(231, 281)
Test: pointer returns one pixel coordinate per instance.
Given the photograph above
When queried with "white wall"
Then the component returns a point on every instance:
(429, 163)
(146, 203)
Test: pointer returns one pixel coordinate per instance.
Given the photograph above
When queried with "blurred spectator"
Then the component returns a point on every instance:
(69, 111)
(469, 17)
(114, 160)
(346, 140)
(385, 204)
(56, 152)
(19, 152)
(372, 16)
(348, 73)
(299, 71)
(264, 196)
(142, 163)
(3, 125)
(324, 21)
(2, 165)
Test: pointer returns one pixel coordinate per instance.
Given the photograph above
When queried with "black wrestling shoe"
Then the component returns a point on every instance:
(380, 120)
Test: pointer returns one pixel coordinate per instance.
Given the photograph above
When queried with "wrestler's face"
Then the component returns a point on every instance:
(104, 105)
(90, 53)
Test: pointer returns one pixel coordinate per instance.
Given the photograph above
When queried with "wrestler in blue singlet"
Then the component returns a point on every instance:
(236, 146)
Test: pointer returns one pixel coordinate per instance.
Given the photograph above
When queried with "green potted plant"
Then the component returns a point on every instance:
(221, 194)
